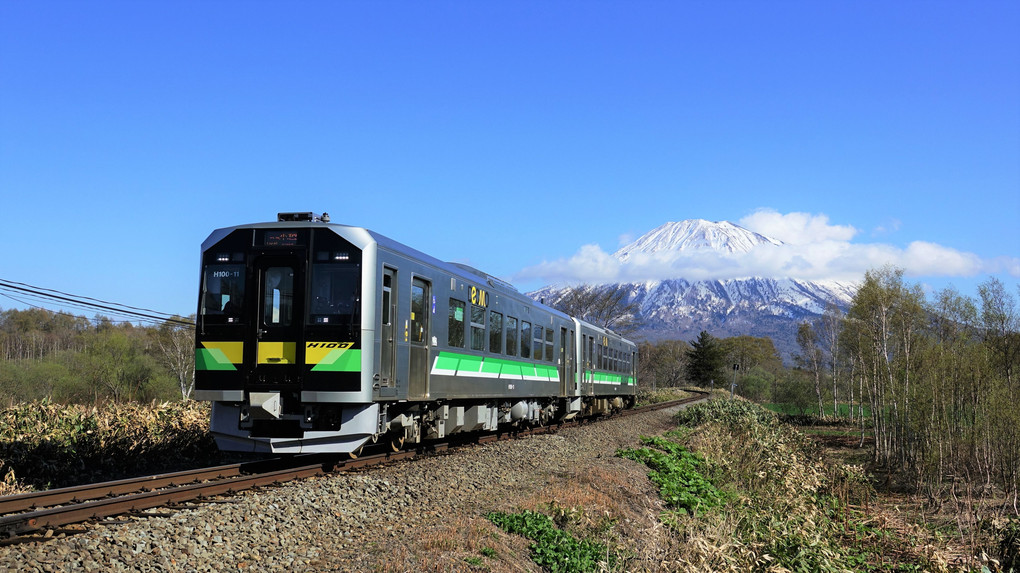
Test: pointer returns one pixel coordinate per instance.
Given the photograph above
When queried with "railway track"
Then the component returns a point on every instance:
(34, 516)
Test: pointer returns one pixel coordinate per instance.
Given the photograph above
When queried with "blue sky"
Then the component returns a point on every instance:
(508, 135)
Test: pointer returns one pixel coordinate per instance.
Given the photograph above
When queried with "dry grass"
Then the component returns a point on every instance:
(44, 444)
(957, 531)
(649, 396)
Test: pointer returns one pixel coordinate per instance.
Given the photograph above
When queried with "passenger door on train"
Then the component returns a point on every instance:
(275, 336)
(588, 380)
(388, 339)
(568, 372)
(418, 336)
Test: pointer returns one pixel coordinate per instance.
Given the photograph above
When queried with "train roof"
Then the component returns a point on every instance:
(361, 237)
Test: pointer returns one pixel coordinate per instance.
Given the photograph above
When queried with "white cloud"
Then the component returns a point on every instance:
(796, 228)
(814, 249)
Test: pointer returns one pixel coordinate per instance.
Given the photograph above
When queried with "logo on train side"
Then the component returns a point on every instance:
(328, 345)
(317, 352)
(479, 296)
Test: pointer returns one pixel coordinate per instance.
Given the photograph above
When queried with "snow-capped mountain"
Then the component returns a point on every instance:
(695, 235)
(679, 308)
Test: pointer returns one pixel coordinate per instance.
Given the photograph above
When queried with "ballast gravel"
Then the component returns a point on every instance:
(425, 514)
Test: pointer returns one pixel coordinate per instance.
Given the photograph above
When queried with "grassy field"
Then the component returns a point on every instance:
(792, 410)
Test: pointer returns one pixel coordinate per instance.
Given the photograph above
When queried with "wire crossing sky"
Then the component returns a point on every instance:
(528, 139)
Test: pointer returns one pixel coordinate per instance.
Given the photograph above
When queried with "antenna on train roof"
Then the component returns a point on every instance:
(305, 216)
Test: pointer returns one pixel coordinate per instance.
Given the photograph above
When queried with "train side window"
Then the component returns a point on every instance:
(477, 327)
(525, 339)
(549, 345)
(495, 332)
(419, 312)
(456, 330)
(386, 293)
(511, 336)
(538, 342)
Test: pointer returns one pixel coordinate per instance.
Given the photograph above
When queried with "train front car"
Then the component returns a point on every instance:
(279, 337)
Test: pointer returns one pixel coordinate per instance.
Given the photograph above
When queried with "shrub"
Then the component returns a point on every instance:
(676, 470)
(552, 548)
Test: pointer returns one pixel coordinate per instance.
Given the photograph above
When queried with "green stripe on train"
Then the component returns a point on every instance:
(468, 364)
(212, 359)
(340, 360)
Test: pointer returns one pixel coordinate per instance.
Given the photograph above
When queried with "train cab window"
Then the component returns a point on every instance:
(223, 292)
(525, 339)
(335, 293)
(511, 336)
(538, 342)
(549, 345)
(477, 327)
(495, 332)
(456, 323)
(278, 306)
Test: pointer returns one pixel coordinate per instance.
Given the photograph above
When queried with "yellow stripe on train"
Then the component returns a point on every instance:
(277, 352)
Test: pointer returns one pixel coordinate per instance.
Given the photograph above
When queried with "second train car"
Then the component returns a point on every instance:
(319, 337)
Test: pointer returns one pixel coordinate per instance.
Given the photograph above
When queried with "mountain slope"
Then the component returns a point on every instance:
(677, 308)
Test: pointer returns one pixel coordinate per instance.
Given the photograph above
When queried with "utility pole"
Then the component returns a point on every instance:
(734, 385)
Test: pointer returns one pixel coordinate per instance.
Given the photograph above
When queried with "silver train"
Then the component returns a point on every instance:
(317, 337)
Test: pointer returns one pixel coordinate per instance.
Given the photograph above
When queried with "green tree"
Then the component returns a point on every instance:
(1001, 324)
(706, 360)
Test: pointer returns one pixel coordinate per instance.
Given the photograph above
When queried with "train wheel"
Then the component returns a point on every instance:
(357, 452)
(397, 444)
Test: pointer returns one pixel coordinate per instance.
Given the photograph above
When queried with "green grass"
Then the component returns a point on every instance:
(677, 472)
(791, 410)
(554, 549)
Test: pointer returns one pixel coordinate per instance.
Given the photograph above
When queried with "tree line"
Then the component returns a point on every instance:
(931, 380)
(67, 358)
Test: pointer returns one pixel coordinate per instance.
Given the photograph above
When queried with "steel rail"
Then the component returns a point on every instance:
(85, 492)
(55, 517)
(78, 494)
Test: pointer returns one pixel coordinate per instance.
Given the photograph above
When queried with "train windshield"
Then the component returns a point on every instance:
(223, 293)
(335, 293)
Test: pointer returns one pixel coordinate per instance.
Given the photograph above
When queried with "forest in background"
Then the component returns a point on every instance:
(931, 382)
(74, 359)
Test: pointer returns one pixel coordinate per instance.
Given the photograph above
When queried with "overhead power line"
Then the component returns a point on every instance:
(77, 301)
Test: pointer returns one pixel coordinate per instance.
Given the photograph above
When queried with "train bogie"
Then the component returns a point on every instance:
(319, 337)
